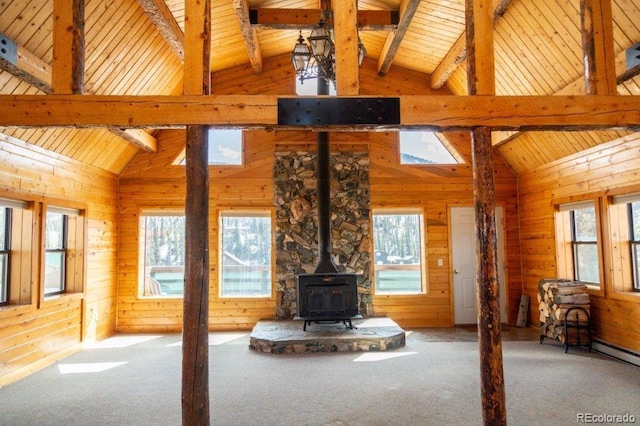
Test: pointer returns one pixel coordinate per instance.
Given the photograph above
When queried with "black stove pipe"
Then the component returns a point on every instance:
(323, 194)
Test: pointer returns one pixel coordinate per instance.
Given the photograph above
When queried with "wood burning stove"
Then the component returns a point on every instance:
(326, 295)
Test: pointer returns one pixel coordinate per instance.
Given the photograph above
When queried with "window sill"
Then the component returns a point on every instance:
(57, 299)
(388, 295)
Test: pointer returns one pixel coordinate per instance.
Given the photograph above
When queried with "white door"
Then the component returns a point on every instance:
(463, 255)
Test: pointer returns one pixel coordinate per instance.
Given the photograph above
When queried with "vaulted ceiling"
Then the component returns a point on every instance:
(133, 47)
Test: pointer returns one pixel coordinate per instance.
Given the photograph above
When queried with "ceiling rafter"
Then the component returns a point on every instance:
(34, 71)
(458, 52)
(392, 44)
(248, 34)
(306, 19)
(163, 19)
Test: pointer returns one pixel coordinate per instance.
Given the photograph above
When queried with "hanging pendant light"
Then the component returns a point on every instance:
(317, 59)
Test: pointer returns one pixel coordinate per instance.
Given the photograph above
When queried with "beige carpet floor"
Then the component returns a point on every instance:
(433, 380)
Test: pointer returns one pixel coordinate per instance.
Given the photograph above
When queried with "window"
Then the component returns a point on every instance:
(634, 227)
(398, 238)
(16, 252)
(310, 87)
(418, 147)
(225, 148)
(64, 250)
(55, 253)
(5, 251)
(585, 245)
(163, 251)
(578, 248)
(245, 254)
(624, 225)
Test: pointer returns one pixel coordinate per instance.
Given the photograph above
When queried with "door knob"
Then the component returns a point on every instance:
(455, 271)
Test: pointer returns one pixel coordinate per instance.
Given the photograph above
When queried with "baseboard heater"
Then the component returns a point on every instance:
(616, 352)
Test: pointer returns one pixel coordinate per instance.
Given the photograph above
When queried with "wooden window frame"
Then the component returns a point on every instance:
(266, 213)
(565, 264)
(634, 247)
(5, 254)
(147, 284)
(22, 254)
(74, 251)
(621, 270)
(424, 277)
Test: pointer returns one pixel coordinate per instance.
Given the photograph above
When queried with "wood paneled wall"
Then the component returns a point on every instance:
(606, 169)
(37, 332)
(151, 181)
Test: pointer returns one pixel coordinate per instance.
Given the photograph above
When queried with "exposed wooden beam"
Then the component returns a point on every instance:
(306, 19)
(163, 19)
(248, 34)
(434, 112)
(33, 70)
(68, 47)
(597, 47)
(18, 61)
(458, 53)
(392, 44)
(195, 313)
(346, 40)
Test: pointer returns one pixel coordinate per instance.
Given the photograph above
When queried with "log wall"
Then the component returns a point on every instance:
(37, 331)
(151, 181)
(611, 168)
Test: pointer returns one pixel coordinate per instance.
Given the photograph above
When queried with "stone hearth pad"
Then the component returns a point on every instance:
(369, 334)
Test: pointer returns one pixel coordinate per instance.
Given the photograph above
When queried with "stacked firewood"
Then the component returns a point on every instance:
(555, 297)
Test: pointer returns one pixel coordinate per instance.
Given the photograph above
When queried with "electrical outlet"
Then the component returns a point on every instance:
(440, 262)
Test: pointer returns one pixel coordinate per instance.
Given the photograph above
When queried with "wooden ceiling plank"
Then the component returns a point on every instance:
(43, 79)
(260, 111)
(597, 47)
(535, 37)
(67, 70)
(163, 19)
(575, 88)
(394, 39)
(123, 63)
(519, 78)
(346, 41)
(454, 58)
(248, 35)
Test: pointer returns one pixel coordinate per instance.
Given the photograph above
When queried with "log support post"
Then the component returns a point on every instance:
(195, 333)
(67, 72)
(481, 81)
(597, 47)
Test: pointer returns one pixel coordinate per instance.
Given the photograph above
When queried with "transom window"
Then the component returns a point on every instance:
(398, 238)
(417, 147)
(245, 254)
(225, 148)
(162, 235)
